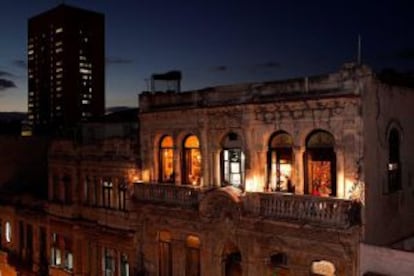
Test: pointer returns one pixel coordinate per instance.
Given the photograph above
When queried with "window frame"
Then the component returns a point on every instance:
(320, 147)
(187, 162)
(192, 252)
(278, 151)
(394, 170)
(165, 261)
(166, 158)
(122, 192)
(107, 192)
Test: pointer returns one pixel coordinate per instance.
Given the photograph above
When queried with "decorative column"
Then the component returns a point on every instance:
(341, 185)
(215, 168)
(177, 165)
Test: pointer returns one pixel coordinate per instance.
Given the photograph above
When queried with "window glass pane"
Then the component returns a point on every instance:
(394, 167)
(165, 265)
(124, 265)
(167, 142)
(320, 139)
(192, 142)
(235, 179)
(281, 140)
(8, 232)
(167, 165)
(235, 167)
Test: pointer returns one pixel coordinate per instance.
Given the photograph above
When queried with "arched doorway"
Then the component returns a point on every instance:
(280, 163)
(232, 260)
(320, 164)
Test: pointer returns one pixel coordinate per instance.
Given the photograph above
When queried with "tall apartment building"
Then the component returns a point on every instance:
(66, 69)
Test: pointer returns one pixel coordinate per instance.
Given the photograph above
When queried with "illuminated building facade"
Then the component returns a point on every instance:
(279, 162)
(292, 177)
(66, 68)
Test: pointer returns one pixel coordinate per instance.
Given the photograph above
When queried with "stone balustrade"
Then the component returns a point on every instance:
(325, 211)
(303, 209)
(185, 196)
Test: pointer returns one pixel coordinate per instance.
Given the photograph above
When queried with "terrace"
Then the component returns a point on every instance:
(303, 209)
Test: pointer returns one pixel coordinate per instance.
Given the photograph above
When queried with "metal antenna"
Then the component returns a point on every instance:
(359, 57)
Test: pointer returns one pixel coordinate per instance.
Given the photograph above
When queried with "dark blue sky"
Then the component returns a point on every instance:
(218, 42)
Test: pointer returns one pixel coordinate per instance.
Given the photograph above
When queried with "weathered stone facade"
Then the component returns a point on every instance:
(281, 177)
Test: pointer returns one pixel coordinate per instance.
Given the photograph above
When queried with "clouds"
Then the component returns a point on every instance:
(268, 65)
(253, 68)
(118, 60)
(5, 81)
(219, 68)
(256, 67)
(20, 63)
(6, 84)
(5, 74)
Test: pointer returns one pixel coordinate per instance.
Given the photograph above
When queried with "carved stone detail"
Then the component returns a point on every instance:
(221, 204)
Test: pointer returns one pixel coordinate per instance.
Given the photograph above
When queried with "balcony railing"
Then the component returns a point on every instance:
(184, 196)
(306, 209)
(302, 209)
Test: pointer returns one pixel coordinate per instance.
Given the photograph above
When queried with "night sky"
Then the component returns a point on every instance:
(218, 42)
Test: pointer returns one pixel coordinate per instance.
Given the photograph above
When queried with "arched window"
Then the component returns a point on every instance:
(192, 161)
(164, 254)
(233, 264)
(394, 165)
(232, 161)
(122, 194)
(279, 163)
(278, 264)
(166, 160)
(192, 256)
(320, 164)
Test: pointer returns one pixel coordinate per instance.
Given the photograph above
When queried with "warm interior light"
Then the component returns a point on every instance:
(253, 184)
(355, 190)
(145, 175)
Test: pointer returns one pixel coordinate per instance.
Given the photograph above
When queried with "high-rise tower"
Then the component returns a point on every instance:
(66, 68)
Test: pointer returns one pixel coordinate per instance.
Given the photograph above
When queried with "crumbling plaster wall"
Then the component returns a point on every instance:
(255, 123)
(388, 215)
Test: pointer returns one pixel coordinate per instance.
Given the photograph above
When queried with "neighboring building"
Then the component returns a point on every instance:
(66, 68)
(87, 209)
(294, 177)
(11, 123)
(23, 160)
